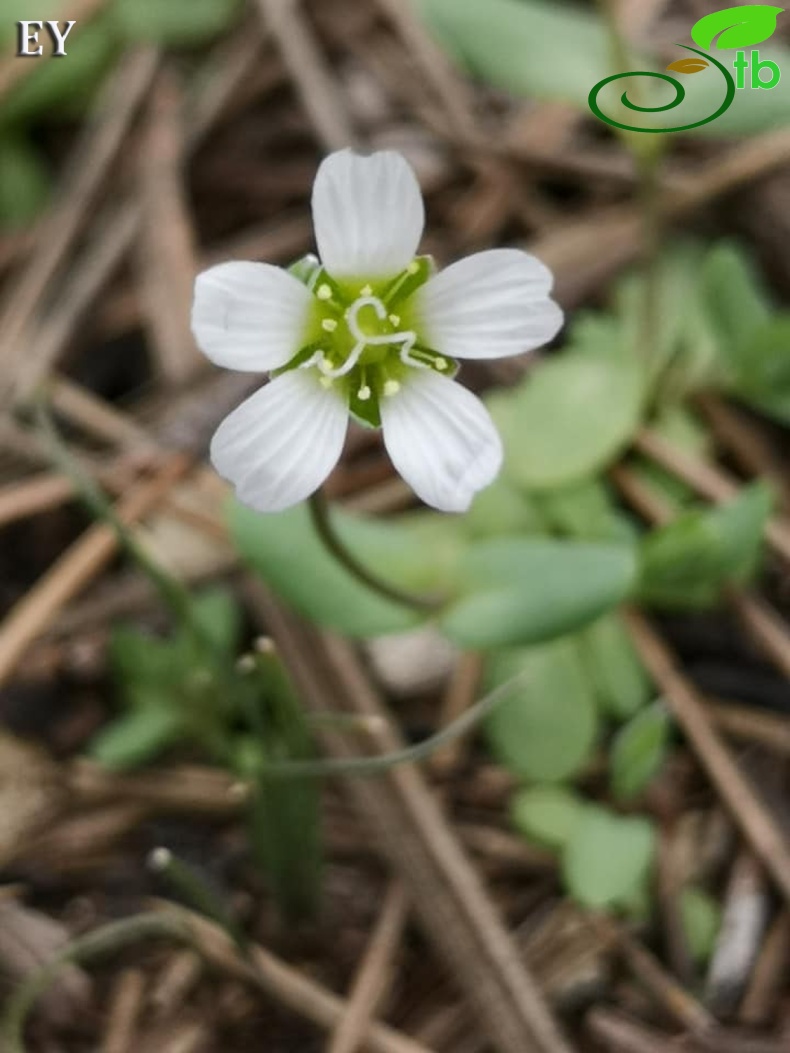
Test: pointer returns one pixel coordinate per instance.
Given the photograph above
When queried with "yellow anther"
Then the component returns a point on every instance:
(324, 292)
(366, 290)
(329, 325)
(364, 393)
(440, 363)
(413, 267)
(391, 387)
(395, 319)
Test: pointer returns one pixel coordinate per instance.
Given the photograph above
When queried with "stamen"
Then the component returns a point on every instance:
(329, 325)
(366, 290)
(364, 393)
(391, 387)
(395, 319)
(324, 292)
(440, 364)
(413, 267)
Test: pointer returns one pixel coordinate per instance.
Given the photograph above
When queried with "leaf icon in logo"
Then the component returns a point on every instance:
(688, 65)
(736, 27)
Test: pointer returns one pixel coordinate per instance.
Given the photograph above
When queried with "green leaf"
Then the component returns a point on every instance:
(141, 662)
(535, 49)
(176, 23)
(571, 417)
(285, 817)
(138, 737)
(286, 551)
(701, 917)
(584, 511)
(617, 675)
(736, 301)
(736, 27)
(546, 815)
(526, 590)
(218, 614)
(547, 732)
(639, 751)
(687, 563)
(502, 509)
(764, 369)
(607, 858)
(25, 183)
(62, 85)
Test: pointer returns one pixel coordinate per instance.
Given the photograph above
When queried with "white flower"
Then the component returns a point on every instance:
(368, 330)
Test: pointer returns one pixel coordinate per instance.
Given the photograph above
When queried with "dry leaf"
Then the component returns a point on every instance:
(31, 794)
(688, 65)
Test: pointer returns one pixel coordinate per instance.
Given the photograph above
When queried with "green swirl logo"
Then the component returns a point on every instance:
(734, 27)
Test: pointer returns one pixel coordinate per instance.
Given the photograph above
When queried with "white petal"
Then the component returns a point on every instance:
(368, 214)
(249, 316)
(490, 305)
(441, 439)
(280, 444)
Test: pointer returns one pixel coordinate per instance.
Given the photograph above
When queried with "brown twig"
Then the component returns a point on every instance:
(373, 976)
(746, 442)
(309, 71)
(288, 985)
(758, 825)
(764, 624)
(57, 233)
(167, 244)
(418, 844)
(708, 480)
(674, 999)
(126, 1004)
(77, 566)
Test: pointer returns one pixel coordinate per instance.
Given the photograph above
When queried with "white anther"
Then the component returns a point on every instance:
(391, 387)
(440, 363)
(324, 292)
(395, 319)
(364, 393)
(329, 325)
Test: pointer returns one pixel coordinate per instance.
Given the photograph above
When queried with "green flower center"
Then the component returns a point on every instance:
(361, 337)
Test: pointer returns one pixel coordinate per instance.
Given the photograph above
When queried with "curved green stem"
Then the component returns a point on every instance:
(319, 510)
(106, 940)
(410, 754)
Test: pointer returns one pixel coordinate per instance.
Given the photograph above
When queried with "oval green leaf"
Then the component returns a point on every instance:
(607, 858)
(639, 751)
(687, 563)
(546, 815)
(546, 733)
(736, 27)
(419, 555)
(571, 418)
(700, 916)
(618, 677)
(526, 590)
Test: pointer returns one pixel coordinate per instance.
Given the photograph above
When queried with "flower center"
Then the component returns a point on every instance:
(361, 339)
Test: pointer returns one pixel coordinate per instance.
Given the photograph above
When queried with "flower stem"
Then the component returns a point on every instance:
(110, 938)
(319, 510)
(370, 766)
